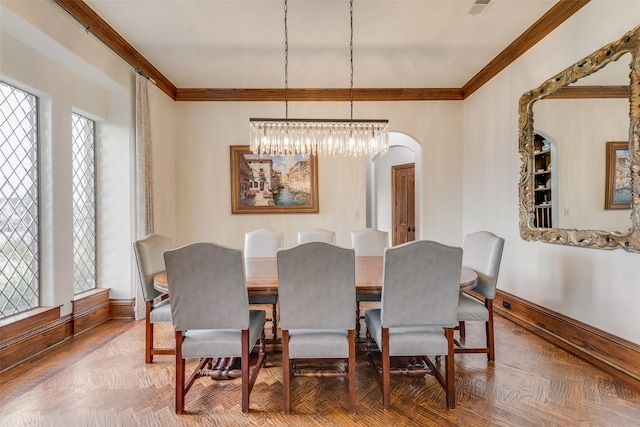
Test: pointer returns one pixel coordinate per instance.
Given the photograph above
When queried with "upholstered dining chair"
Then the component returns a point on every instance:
(150, 259)
(316, 235)
(368, 242)
(211, 315)
(316, 284)
(418, 312)
(264, 243)
(482, 253)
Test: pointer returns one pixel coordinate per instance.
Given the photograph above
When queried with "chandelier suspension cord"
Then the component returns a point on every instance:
(286, 63)
(313, 137)
(351, 54)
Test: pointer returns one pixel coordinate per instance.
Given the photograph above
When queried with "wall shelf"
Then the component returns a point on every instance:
(542, 180)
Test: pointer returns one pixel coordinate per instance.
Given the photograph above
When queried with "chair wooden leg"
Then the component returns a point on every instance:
(449, 367)
(491, 355)
(244, 363)
(262, 352)
(274, 327)
(463, 332)
(386, 371)
(352, 372)
(149, 350)
(180, 390)
(286, 372)
(148, 338)
(358, 319)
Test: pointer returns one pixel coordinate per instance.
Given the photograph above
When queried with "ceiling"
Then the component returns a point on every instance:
(397, 43)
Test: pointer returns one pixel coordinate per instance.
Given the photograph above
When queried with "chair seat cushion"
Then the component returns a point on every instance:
(318, 344)
(409, 340)
(263, 299)
(470, 309)
(161, 312)
(360, 298)
(222, 342)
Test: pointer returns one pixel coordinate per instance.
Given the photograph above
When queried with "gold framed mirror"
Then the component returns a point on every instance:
(544, 210)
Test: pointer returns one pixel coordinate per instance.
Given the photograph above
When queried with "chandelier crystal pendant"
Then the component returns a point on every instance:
(323, 137)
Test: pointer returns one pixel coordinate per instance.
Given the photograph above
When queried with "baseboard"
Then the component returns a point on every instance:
(616, 356)
(27, 334)
(122, 309)
(90, 309)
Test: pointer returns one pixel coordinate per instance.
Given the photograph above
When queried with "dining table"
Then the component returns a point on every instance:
(261, 277)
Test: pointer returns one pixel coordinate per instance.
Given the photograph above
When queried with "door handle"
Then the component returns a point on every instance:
(410, 229)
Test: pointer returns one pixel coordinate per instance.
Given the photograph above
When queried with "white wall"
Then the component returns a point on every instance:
(581, 129)
(46, 53)
(207, 129)
(597, 287)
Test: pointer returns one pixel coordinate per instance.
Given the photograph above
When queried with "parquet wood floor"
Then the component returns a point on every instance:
(100, 379)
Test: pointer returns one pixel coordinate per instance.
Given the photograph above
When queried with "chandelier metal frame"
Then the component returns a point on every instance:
(347, 137)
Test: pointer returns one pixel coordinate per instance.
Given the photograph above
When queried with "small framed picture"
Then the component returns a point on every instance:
(618, 176)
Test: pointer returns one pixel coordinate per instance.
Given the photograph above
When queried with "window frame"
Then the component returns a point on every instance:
(37, 144)
(95, 205)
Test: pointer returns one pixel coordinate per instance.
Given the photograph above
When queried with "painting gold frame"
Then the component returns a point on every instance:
(616, 178)
(266, 184)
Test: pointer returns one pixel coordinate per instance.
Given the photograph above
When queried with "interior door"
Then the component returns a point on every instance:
(403, 197)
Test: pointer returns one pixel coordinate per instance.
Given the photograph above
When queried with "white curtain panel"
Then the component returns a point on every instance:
(144, 162)
(144, 177)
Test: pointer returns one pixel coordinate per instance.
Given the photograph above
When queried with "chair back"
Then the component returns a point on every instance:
(207, 287)
(316, 287)
(150, 259)
(483, 253)
(262, 243)
(421, 285)
(369, 242)
(316, 235)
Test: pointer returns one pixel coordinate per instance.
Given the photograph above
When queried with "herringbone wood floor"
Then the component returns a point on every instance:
(100, 379)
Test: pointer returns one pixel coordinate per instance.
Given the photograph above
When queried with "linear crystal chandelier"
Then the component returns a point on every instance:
(325, 137)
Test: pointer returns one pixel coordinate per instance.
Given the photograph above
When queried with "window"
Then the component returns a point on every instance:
(19, 233)
(84, 206)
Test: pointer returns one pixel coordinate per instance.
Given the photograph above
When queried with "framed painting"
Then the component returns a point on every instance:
(618, 176)
(262, 183)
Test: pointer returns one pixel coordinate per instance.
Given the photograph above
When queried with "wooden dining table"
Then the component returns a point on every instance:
(261, 275)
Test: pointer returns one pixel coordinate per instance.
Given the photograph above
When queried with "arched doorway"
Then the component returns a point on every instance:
(403, 149)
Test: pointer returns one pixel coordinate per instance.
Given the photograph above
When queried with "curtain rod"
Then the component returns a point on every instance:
(89, 31)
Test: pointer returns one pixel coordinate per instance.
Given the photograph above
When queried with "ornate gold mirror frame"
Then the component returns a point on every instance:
(630, 240)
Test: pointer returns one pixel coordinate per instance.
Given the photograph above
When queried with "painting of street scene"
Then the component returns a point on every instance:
(618, 177)
(272, 183)
(622, 185)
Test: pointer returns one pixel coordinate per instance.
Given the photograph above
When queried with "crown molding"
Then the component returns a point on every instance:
(554, 17)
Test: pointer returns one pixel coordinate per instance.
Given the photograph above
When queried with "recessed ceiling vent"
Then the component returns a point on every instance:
(479, 6)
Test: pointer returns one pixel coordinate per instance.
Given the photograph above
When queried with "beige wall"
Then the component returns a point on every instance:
(166, 143)
(206, 129)
(597, 287)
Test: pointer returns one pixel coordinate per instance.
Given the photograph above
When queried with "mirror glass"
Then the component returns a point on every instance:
(566, 125)
(577, 131)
